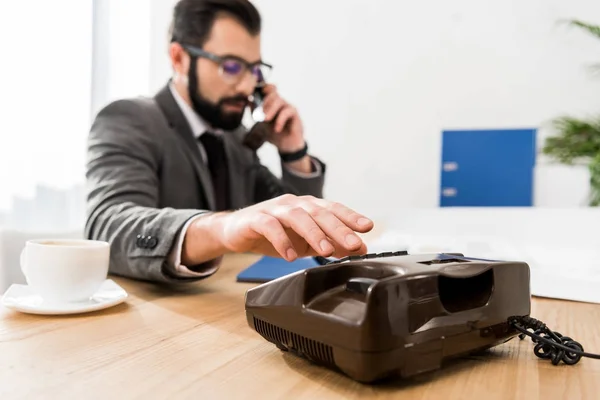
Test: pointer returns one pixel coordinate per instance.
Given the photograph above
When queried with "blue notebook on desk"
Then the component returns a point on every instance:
(269, 268)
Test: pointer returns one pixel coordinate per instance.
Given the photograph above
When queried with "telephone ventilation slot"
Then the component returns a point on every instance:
(311, 349)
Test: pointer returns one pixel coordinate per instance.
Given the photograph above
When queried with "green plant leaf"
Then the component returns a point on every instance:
(574, 139)
(594, 169)
(590, 28)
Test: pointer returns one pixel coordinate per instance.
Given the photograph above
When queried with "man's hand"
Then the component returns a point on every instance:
(289, 133)
(288, 226)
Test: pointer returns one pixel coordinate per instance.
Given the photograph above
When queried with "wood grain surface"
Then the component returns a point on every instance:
(194, 342)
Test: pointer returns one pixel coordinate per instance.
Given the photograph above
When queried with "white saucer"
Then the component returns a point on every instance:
(22, 298)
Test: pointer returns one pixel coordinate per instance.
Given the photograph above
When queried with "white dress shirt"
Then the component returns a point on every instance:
(199, 127)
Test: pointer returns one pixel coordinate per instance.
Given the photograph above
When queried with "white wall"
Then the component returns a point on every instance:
(376, 81)
(122, 50)
(160, 19)
(45, 97)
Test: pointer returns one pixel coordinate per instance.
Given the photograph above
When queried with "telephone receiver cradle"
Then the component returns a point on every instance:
(388, 314)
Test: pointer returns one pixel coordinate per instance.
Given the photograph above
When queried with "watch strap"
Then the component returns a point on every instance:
(294, 156)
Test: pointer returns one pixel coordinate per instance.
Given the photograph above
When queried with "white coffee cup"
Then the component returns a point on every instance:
(65, 270)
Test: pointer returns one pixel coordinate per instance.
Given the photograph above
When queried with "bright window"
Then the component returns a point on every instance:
(46, 97)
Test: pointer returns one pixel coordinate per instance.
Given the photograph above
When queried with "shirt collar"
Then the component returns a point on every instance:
(197, 124)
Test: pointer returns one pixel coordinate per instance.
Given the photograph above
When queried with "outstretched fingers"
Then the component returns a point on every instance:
(306, 227)
(352, 219)
(272, 230)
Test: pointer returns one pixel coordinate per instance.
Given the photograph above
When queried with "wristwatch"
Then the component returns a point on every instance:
(295, 156)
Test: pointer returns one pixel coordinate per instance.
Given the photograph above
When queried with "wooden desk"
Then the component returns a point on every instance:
(195, 343)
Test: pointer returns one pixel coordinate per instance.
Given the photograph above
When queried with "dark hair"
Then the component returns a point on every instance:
(194, 19)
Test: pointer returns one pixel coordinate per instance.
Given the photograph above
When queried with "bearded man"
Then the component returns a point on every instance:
(171, 185)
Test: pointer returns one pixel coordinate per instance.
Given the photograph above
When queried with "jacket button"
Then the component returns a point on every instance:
(152, 242)
(140, 241)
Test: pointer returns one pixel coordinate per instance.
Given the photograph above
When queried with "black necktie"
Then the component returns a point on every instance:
(217, 164)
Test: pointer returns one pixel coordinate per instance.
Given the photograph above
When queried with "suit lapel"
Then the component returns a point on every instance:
(177, 121)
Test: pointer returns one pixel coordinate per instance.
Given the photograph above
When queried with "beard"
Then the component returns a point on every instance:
(213, 113)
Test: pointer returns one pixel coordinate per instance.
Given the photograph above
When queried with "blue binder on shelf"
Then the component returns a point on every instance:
(488, 168)
(269, 268)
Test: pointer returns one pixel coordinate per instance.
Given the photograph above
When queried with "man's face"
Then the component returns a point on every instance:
(218, 92)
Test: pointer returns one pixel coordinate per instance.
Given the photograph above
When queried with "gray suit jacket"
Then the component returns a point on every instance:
(146, 179)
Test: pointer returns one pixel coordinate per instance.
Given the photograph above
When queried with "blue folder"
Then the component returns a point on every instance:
(269, 268)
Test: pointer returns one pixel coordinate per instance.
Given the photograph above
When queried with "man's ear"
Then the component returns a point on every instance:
(180, 60)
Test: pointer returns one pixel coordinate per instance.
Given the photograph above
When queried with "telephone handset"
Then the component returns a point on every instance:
(268, 185)
(261, 130)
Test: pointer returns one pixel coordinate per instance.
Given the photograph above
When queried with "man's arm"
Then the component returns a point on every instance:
(287, 226)
(293, 181)
(306, 176)
(122, 205)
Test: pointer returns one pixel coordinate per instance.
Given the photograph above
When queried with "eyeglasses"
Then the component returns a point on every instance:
(233, 68)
